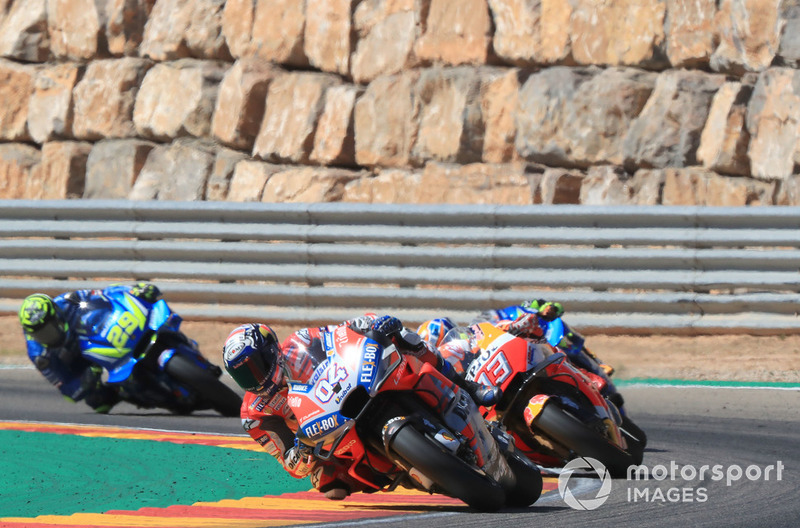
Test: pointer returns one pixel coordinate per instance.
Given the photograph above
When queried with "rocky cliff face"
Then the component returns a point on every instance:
(678, 102)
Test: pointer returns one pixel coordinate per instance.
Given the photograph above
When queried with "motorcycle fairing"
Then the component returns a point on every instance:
(554, 330)
(323, 425)
(502, 354)
(555, 333)
(122, 326)
(114, 336)
(534, 407)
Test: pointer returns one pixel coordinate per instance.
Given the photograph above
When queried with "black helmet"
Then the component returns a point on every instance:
(251, 355)
(42, 321)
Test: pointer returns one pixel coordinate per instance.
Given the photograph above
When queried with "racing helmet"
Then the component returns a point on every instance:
(252, 357)
(42, 321)
(434, 330)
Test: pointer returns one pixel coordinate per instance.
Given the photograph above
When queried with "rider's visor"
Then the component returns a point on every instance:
(252, 373)
(49, 334)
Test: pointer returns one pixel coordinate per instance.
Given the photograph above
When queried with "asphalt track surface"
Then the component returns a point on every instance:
(688, 427)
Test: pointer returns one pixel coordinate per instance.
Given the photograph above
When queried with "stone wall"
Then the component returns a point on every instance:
(678, 102)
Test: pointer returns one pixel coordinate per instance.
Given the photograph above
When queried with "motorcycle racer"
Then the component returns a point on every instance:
(434, 330)
(261, 365)
(518, 320)
(51, 327)
(522, 320)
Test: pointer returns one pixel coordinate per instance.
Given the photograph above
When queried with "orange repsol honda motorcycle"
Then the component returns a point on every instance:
(554, 411)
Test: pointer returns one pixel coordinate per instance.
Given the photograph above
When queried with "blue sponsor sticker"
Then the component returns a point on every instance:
(369, 363)
(324, 425)
(300, 387)
(327, 340)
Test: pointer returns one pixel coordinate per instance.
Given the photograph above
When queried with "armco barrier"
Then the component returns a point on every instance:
(616, 269)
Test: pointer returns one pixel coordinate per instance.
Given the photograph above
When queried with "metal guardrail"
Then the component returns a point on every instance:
(616, 269)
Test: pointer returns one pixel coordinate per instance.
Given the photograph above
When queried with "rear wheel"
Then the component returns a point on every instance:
(219, 396)
(570, 432)
(453, 475)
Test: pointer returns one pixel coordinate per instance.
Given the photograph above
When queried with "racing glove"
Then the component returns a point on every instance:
(387, 325)
(388, 329)
(146, 291)
(548, 310)
(299, 460)
(526, 326)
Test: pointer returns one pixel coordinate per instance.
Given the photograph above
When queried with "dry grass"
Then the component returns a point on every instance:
(726, 357)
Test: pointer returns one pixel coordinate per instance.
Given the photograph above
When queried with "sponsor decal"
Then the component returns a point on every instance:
(278, 402)
(342, 394)
(398, 373)
(327, 342)
(300, 388)
(368, 364)
(310, 415)
(340, 334)
(344, 448)
(322, 426)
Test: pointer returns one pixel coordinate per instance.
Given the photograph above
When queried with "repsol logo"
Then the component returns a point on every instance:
(321, 426)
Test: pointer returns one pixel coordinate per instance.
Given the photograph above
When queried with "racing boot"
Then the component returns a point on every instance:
(483, 395)
(337, 493)
(103, 399)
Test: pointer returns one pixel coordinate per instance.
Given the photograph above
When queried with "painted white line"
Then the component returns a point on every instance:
(393, 519)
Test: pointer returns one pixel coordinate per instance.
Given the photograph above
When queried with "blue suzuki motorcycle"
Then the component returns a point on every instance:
(144, 353)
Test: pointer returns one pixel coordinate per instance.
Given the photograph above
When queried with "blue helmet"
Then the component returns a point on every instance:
(252, 357)
(434, 330)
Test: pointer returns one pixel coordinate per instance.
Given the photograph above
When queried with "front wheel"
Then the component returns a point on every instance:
(570, 432)
(528, 478)
(208, 387)
(453, 475)
(636, 439)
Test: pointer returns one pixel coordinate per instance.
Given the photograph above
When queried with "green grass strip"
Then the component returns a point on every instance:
(659, 382)
(56, 474)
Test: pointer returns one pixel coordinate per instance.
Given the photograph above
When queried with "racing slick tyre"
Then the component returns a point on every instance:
(454, 476)
(570, 432)
(219, 396)
(636, 439)
(529, 484)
